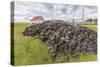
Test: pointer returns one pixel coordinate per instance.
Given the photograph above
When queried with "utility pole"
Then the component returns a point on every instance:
(83, 14)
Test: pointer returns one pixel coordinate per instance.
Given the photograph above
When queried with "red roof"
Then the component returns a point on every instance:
(37, 18)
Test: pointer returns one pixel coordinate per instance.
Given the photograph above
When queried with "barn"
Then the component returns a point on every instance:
(37, 19)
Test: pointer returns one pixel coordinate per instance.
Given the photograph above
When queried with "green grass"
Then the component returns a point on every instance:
(93, 27)
(28, 50)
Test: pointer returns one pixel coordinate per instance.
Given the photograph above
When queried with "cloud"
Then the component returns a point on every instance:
(26, 10)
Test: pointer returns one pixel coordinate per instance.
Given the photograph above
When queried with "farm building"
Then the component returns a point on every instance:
(37, 19)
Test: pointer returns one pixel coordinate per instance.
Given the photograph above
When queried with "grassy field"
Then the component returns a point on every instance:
(28, 50)
(93, 27)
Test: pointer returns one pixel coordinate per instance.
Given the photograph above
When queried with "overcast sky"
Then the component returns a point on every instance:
(26, 10)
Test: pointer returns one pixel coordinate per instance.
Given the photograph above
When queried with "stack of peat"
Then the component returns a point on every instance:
(65, 38)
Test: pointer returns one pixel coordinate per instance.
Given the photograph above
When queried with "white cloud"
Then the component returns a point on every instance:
(26, 10)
